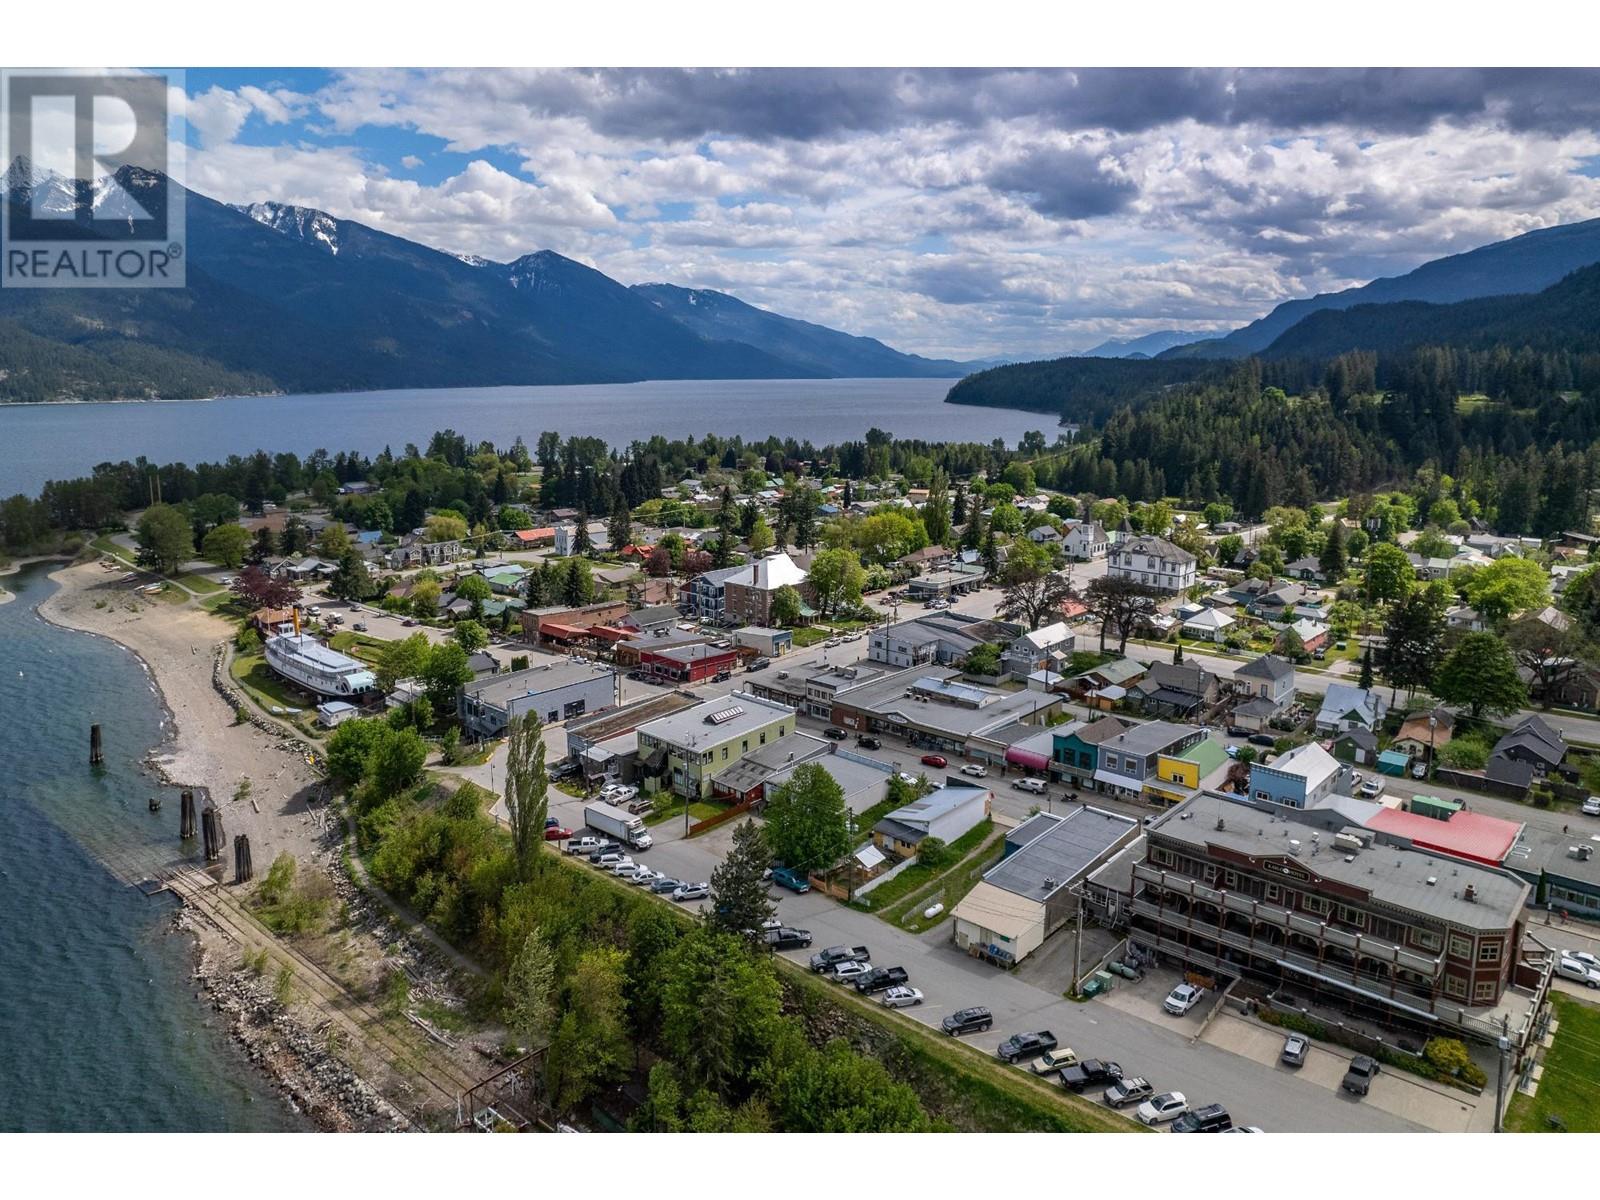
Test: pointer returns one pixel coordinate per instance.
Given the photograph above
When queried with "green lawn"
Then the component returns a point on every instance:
(106, 546)
(700, 810)
(255, 678)
(200, 585)
(1568, 1088)
(810, 635)
(918, 886)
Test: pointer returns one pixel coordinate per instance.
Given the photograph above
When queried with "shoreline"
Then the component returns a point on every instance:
(289, 1044)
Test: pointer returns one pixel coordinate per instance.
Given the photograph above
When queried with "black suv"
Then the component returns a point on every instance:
(1209, 1118)
(867, 742)
(1358, 1079)
(968, 1020)
(834, 733)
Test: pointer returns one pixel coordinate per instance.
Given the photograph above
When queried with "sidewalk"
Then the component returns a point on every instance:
(1430, 1104)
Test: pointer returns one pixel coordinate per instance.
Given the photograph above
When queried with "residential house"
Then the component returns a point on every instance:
(1045, 647)
(944, 638)
(926, 559)
(1357, 745)
(1533, 742)
(1304, 569)
(1278, 602)
(1422, 733)
(945, 813)
(1464, 618)
(704, 597)
(1209, 624)
(1152, 561)
(1313, 635)
(1346, 706)
(1578, 686)
(1265, 688)
(1298, 778)
(1177, 690)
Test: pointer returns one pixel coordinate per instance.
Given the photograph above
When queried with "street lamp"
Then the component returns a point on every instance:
(1500, 1084)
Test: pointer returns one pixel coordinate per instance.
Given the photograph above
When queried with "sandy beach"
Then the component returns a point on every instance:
(342, 1081)
(207, 749)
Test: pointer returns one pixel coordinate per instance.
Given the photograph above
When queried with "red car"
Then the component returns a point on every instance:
(555, 833)
(935, 760)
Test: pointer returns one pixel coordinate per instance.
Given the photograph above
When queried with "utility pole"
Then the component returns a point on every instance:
(1500, 1084)
(1077, 941)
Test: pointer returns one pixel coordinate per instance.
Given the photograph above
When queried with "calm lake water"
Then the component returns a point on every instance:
(100, 1024)
(61, 441)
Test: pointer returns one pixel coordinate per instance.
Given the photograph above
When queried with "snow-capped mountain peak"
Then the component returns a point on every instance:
(309, 225)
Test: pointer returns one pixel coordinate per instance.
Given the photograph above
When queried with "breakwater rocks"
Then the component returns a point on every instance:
(300, 1061)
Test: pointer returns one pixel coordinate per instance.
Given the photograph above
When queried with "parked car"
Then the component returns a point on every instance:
(1238, 731)
(1208, 1118)
(554, 833)
(605, 847)
(824, 961)
(1370, 789)
(1037, 787)
(1578, 971)
(1050, 1061)
(1419, 770)
(880, 978)
(976, 770)
(623, 866)
(784, 938)
(795, 881)
(1128, 1091)
(1025, 1045)
(901, 997)
(759, 664)
(939, 760)
(690, 891)
(359, 627)
(1091, 1072)
(1246, 1129)
(1295, 1048)
(976, 1019)
(1591, 806)
(409, 622)
(643, 876)
(849, 972)
(1592, 961)
(1182, 998)
(1168, 1106)
(665, 885)
(1263, 739)
(1358, 1079)
(834, 733)
(583, 845)
(867, 742)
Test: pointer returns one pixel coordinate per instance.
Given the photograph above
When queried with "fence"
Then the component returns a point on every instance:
(722, 818)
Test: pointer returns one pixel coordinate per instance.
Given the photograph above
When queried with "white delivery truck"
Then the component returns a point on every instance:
(613, 822)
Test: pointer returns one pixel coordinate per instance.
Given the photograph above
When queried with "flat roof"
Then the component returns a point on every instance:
(1390, 875)
(998, 910)
(1062, 853)
(693, 726)
(1149, 738)
(600, 726)
(500, 690)
(1471, 835)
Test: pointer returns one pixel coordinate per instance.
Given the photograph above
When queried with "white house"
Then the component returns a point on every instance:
(1209, 624)
(946, 814)
(1085, 540)
(1154, 562)
(1265, 688)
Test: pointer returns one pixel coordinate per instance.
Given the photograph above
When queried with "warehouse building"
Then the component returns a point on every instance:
(553, 691)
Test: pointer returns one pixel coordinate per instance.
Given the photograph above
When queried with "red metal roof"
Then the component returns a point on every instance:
(1466, 835)
(557, 629)
(610, 633)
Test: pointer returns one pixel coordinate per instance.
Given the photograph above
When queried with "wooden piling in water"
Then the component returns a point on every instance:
(243, 868)
(211, 827)
(186, 817)
(97, 754)
(155, 803)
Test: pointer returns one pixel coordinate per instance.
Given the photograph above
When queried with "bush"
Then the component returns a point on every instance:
(933, 852)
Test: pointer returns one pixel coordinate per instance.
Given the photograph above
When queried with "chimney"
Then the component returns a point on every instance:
(1470, 895)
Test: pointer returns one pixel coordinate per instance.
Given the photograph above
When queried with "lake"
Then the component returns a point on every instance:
(62, 441)
(100, 1024)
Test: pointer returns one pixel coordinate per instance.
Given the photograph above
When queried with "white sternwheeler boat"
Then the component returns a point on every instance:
(306, 662)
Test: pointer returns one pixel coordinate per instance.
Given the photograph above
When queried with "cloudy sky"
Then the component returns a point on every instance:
(961, 213)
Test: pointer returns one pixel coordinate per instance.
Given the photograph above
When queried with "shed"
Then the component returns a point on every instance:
(1394, 762)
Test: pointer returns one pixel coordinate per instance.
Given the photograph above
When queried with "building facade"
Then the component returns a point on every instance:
(685, 750)
(1152, 561)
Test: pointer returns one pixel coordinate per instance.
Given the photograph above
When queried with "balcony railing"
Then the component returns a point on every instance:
(1360, 944)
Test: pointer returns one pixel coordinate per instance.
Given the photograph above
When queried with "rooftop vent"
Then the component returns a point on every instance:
(1049, 881)
(1432, 879)
(1221, 824)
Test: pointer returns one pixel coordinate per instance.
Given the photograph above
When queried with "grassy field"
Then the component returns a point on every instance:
(948, 890)
(810, 635)
(1567, 1089)
(200, 585)
(106, 546)
(256, 680)
(700, 810)
(887, 897)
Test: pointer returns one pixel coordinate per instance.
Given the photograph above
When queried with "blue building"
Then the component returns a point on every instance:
(1301, 778)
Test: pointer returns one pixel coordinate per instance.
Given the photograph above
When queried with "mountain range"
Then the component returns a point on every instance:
(1147, 345)
(283, 298)
(1529, 263)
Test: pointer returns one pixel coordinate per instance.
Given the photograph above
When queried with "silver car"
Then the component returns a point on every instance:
(901, 997)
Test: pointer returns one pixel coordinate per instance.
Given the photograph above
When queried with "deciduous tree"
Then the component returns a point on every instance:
(1481, 674)
(527, 791)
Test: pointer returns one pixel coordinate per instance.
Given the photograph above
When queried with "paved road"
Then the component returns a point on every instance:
(1164, 1051)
